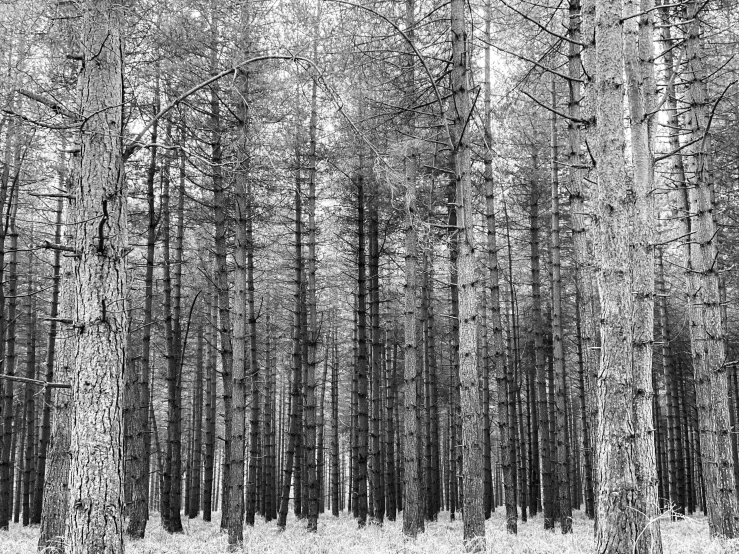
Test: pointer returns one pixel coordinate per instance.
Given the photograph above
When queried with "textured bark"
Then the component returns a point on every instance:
(616, 530)
(563, 462)
(706, 331)
(238, 376)
(94, 521)
(472, 472)
(639, 65)
(622, 455)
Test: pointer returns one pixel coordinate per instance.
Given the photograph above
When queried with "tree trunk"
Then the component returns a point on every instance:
(38, 493)
(94, 523)
(706, 331)
(622, 456)
(211, 308)
(312, 335)
(29, 473)
(563, 462)
(639, 64)
(56, 478)
(197, 427)
(581, 17)
(138, 513)
(472, 472)
(335, 460)
(412, 509)
(362, 401)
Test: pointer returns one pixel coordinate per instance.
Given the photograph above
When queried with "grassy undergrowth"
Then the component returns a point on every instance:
(341, 536)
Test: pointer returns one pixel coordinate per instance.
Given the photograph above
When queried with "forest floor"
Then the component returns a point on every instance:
(341, 536)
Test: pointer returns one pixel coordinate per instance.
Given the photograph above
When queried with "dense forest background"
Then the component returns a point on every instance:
(392, 258)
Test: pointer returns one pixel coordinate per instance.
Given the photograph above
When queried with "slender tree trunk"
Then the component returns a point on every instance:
(498, 358)
(139, 511)
(7, 465)
(295, 414)
(197, 428)
(38, 493)
(211, 308)
(362, 394)
(56, 479)
(29, 473)
(472, 472)
(563, 462)
(312, 335)
(640, 86)
(581, 17)
(411, 497)
(335, 460)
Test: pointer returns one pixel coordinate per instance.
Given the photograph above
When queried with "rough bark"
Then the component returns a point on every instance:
(472, 472)
(94, 521)
(704, 299)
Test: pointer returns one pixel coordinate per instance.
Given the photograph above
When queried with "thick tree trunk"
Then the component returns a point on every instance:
(622, 453)
(704, 299)
(94, 522)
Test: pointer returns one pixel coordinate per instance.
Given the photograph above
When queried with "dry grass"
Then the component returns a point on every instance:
(341, 536)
